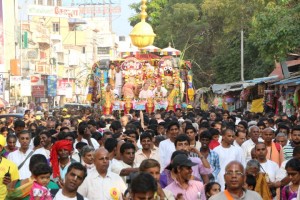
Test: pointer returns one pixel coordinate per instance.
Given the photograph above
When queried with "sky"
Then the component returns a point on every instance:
(121, 25)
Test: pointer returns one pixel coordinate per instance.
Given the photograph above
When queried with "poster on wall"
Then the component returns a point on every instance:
(26, 87)
(1, 37)
(51, 86)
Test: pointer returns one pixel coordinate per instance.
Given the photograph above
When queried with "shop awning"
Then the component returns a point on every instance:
(264, 79)
(294, 80)
(230, 87)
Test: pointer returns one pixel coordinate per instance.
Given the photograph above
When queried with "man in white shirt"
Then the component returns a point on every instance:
(85, 135)
(248, 145)
(126, 165)
(167, 147)
(118, 81)
(146, 152)
(145, 93)
(160, 92)
(75, 175)
(240, 138)
(46, 142)
(268, 166)
(101, 184)
(22, 154)
(227, 153)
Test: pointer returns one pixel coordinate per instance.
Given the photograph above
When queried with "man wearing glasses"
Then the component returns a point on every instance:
(234, 179)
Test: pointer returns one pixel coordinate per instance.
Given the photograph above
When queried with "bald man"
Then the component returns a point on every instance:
(275, 152)
(101, 184)
(234, 179)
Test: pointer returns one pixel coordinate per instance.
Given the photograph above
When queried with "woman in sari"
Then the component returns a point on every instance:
(262, 188)
(20, 189)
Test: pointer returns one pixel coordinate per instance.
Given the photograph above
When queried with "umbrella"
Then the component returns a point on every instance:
(169, 51)
(151, 49)
(3, 103)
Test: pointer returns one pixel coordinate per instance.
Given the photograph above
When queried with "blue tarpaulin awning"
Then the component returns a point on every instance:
(295, 80)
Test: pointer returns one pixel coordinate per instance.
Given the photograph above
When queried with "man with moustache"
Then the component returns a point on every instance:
(234, 179)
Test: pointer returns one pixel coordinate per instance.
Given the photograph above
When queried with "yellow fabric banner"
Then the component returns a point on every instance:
(257, 106)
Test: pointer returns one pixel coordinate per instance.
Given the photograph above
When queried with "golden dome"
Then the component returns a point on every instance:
(142, 34)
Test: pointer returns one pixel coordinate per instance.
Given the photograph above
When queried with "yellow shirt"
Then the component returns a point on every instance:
(14, 173)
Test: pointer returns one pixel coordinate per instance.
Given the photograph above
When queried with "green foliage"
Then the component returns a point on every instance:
(208, 34)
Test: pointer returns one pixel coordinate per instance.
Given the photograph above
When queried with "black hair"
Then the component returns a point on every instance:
(172, 123)
(204, 125)
(80, 145)
(128, 132)
(64, 128)
(19, 123)
(41, 168)
(24, 132)
(209, 186)
(294, 163)
(78, 166)
(110, 144)
(35, 159)
(296, 128)
(261, 123)
(92, 122)
(11, 136)
(142, 183)
(101, 124)
(82, 127)
(116, 125)
(250, 180)
(36, 141)
(126, 145)
(47, 133)
(182, 138)
(213, 132)
(296, 150)
(190, 126)
(145, 135)
(205, 134)
(63, 135)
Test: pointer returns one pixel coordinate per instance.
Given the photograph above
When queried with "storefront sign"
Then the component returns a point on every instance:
(53, 11)
(38, 91)
(51, 86)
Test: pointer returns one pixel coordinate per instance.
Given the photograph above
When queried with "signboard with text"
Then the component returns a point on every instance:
(38, 91)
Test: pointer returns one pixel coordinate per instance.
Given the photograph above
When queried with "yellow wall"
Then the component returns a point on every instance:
(68, 37)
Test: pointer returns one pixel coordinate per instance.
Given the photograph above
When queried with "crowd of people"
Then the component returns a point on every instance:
(186, 154)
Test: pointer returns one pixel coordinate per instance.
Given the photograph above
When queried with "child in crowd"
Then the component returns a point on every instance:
(250, 182)
(211, 189)
(39, 190)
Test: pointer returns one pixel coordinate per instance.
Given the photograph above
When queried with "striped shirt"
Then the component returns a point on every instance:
(288, 150)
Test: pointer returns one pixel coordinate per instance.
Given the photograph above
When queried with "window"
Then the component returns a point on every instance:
(50, 2)
(40, 2)
(103, 50)
(121, 38)
(55, 27)
(59, 3)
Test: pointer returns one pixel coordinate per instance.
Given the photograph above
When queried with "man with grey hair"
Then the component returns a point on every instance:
(234, 179)
(87, 157)
(248, 145)
(282, 139)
